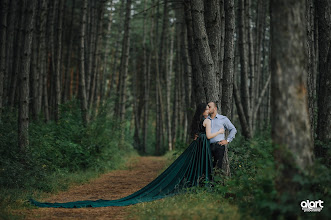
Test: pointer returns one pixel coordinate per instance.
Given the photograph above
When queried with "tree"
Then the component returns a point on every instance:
(23, 120)
(4, 10)
(123, 72)
(290, 121)
(323, 9)
(82, 89)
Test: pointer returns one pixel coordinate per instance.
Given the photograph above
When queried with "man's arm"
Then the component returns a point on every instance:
(230, 127)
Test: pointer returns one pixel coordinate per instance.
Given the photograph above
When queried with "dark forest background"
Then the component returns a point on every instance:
(83, 83)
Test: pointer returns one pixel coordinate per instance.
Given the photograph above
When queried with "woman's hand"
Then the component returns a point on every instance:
(221, 131)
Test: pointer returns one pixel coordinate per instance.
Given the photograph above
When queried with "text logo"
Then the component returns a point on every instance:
(312, 206)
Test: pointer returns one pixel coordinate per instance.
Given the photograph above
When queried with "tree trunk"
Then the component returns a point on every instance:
(3, 59)
(58, 61)
(212, 19)
(290, 121)
(205, 56)
(146, 82)
(23, 119)
(244, 90)
(82, 89)
(67, 74)
(96, 52)
(12, 22)
(228, 58)
(197, 80)
(323, 9)
(125, 60)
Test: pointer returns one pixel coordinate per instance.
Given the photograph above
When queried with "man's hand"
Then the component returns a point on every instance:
(196, 136)
(224, 142)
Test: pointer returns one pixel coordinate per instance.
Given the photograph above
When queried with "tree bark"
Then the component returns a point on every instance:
(323, 9)
(125, 60)
(212, 17)
(290, 120)
(58, 61)
(197, 80)
(82, 89)
(244, 90)
(3, 59)
(67, 74)
(228, 72)
(205, 56)
(23, 119)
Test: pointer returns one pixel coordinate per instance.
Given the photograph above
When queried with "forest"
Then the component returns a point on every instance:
(88, 85)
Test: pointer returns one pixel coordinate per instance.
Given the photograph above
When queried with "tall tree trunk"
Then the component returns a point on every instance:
(23, 119)
(228, 58)
(35, 73)
(82, 89)
(96, 52)
(16, 56)
(168, 85)
(146, 82)
(290, 121)
(197, 80)
(323, 11)
(205, 56)
(58, 61)
(212, 19)
(244, 90)
(3, 59)
(106, 54)
(12, 22)
(123, 72)
(67, 60)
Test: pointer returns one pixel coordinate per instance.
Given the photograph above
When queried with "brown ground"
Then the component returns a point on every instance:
(113, 185)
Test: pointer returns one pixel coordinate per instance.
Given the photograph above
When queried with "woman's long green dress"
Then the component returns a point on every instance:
(191, 168)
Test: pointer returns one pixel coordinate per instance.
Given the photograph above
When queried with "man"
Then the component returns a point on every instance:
(217, 144)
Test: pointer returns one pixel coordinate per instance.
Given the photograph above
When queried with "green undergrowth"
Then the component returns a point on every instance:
(250, 192)
(59, 155)
(195, 204)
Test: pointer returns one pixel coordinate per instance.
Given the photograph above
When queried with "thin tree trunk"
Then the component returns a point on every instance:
(23, 119)
(67, 81)
(168, 85)
(106, 54)
(125, 60)
(3, 59)
(58, 62)
(96, 53)
(146, 81)
(82, 89)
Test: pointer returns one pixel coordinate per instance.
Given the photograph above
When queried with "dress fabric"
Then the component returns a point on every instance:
(192, 168)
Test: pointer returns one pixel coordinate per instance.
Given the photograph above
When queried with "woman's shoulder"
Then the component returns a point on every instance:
(207, 120)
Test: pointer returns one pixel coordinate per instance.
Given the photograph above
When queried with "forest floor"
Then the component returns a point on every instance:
(113, 185)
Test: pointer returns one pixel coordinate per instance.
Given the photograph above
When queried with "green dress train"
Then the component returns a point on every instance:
(192, 168)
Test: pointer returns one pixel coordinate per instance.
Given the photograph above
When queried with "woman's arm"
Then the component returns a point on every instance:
(207, 124)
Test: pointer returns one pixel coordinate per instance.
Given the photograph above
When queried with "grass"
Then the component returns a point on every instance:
(195, 204)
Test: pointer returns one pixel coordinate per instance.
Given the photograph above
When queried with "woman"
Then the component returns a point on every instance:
(192, 166)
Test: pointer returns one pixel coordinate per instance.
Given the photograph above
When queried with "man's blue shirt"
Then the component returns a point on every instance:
(221, 121)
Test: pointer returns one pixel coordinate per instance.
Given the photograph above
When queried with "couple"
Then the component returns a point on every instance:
(192, 168)
(214, 125)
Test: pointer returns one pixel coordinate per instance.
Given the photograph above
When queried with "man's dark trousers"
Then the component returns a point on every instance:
(217, 152)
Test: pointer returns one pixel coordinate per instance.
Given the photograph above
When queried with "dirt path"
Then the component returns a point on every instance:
(113, 185)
